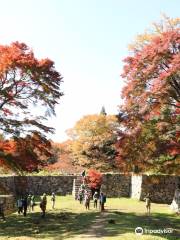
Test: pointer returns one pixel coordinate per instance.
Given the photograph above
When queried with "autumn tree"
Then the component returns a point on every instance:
(166, 24)
(62, 159)
(29, 90)
(6, 149)
(94, 179)
(29, 153)
(33, 152)
(93, 139)
(151, 108)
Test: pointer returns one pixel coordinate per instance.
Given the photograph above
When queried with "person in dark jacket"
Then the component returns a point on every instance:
(24, 205)
(102, 201)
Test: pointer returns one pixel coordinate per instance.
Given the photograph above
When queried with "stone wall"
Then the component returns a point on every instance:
(38, 185)
(161, 187)
(116, 185)
(8, 203)
(7, 185)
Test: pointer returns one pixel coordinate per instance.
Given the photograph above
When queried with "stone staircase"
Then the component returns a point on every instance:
(76, 185)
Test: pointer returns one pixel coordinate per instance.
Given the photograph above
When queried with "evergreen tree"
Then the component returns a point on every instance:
(103, 111)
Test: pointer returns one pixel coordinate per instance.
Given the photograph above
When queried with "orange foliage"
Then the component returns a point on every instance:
(27, 154)
(64, 162)
(26, 82)
(94, 179)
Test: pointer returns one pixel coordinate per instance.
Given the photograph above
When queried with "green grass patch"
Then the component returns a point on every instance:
(70, 220)
(130, 213)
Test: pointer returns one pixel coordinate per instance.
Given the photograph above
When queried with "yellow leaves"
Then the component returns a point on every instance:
(151, 146)
(140, 40)
(166, 24)
(90, 134)
(94, 126)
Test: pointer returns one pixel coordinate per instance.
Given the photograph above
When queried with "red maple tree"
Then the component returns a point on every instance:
(94, 179)
(150, 112)
(26, 83)
(29, 154)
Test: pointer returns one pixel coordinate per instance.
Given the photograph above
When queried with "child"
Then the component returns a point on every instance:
(148, 203)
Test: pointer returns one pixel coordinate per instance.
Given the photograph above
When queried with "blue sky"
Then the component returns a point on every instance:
(88, 40)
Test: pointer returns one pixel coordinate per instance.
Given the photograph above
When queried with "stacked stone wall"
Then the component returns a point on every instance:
(7, 185)
(8, 203)
(116, 185)
(160, 187)
(37, 185)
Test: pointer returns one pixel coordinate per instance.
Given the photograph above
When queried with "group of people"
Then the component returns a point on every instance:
(27, 203)
(101, 198)
(84, 195)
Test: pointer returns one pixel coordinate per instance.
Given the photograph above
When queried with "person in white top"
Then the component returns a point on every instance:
(53, 199)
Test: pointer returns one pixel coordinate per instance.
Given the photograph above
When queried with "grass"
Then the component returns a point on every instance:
(131, 214)
(70, 220)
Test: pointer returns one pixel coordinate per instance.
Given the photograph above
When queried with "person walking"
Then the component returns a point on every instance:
(29, 202)
(43, 205)
(148, 203)
(87, 198)
(102, 201)
(24, 205)
(19, 205)
(95, 199)
(32, 203)
(53, 199)
(80, 196)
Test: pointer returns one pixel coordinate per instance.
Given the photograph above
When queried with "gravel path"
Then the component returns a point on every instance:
(96, 231)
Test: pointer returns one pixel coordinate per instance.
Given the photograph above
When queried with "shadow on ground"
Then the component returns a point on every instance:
(65, 224)
(55, 224)
(127, 222)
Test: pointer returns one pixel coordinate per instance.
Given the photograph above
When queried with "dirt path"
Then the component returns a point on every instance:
(96, 231)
